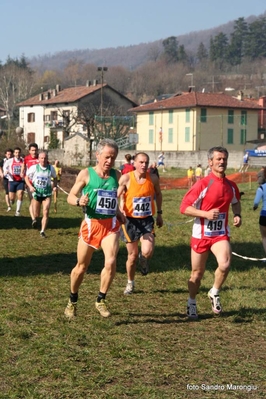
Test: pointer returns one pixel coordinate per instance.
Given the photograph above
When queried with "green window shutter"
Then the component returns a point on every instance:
(187, 134)
(243, 134)
(187, 115)
(230, 116)
(243, 118)
(150, 136)
(203, 115)
(230, 136)
(170, 135)
(151, 118)
(171, 116)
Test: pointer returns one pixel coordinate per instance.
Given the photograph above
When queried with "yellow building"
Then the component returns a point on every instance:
(197, 121)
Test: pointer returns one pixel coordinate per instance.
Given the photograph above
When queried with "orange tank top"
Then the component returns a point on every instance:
(139, 198)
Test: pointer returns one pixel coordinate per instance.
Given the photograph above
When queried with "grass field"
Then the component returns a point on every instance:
(147, 349)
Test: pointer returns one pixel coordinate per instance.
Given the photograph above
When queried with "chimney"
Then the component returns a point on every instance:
(240, 95)
(54, 92)
(88, 83)
(95, 82)
(41, 97)
(58, 88)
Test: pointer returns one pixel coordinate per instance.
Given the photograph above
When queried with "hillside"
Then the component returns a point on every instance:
(130, 57)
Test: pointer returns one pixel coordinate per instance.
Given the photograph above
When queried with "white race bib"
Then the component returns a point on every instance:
(215, 228)
(142, 206)
(106, 202)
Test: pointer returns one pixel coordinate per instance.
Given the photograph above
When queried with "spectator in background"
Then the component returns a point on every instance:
(190, 177)
(261, 176)
(161, 159)
(8, 155)
(198, 172)
(245, 164)
(128, 166)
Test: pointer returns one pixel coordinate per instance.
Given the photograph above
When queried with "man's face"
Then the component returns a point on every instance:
(141, 163)
(17, 153)
(106, 159)
(218, 163)
(43, 158)
(8, 154)
(33, 152)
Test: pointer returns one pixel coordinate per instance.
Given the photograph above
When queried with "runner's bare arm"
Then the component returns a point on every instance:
(81, 181)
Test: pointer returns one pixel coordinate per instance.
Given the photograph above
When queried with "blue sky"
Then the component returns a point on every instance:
(35, 27)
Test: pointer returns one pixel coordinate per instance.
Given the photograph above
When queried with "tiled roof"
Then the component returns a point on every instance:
(69, 95)
(194, 99)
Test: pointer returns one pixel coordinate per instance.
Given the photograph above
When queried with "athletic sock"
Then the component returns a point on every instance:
(191, 301)
(101, 296)
(73, 297)
(214, 291)
(130, 282)
(19, 203)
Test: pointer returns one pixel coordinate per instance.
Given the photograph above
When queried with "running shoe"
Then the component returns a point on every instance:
(129, 289)
(42, 234)
(102, 308)
(143, 265)
(8, 209)
(192, 311)
(34, 224)
(71, 310)
(17, 213)
(215, 301)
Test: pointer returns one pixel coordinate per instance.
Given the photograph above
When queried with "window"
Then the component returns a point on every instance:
(187, 115)
(203, 115)
(230, 116)
(170, 135)
(54, 116)
(243, 136)
(151, 118)
(31, 117)
(187, 134)
(171, 116)
(243, 118)
(46, 118)
(46, 139)
(150, 136)
(230, 136)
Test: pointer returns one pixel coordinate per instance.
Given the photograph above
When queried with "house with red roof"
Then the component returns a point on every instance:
(198, 121)
(63, 112)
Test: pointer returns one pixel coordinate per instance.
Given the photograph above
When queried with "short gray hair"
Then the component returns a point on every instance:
(107, 142)
(216, 149)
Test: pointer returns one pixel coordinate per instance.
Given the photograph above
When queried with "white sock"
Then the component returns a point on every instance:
(214, 291)
(191, 301)
(130, 282)
(19, 203)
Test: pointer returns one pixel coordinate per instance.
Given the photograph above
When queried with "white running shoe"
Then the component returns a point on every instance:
(129, 289)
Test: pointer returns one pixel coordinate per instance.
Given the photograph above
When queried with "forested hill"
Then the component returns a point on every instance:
(131, 57)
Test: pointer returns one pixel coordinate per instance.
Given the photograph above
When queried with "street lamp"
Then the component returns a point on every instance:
(102, 70)
(191, 84)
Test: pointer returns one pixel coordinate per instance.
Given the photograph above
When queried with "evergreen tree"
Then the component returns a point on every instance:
(170, 46)
(255, 45)
(235, 51)
(202, 53)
